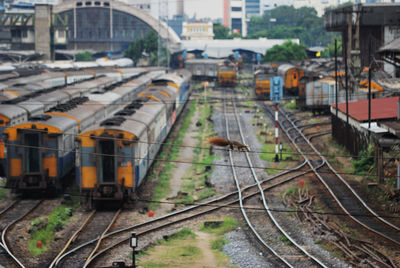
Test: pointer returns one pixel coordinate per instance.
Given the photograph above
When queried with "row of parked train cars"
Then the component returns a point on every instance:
(222, 71)
(312, 83)
(107, 124)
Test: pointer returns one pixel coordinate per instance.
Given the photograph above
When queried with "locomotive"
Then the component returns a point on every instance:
(227, 74)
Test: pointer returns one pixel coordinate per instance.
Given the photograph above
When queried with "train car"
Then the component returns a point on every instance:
(227, 74)
(115, 154)
(16, 72)
(261, 83)
(203, 69)
(291, 76)
(40, 151)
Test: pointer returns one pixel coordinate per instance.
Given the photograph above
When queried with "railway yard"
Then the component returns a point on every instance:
(190, 203)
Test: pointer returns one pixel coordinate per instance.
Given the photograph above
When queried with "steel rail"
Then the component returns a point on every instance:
(265, 204)
(3, 243)
(73, 237)
(129, 228)
(239, 191)
(315, 170)
(9, 206)
(88, 260)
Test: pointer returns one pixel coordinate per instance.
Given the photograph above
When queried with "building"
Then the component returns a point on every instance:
(220, 48)
(382, 131)
(227, 13)
(253, 8)
(365, 28)
(235, 16)
(100, 26)
(197, 31)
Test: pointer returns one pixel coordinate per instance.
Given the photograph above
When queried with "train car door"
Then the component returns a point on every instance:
(107, 164)
(32, 156)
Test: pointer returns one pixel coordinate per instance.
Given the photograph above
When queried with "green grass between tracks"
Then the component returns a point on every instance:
(163, 188)
(47, 227)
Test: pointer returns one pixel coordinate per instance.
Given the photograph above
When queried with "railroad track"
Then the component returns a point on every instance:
(306, 259)
(345, 196)
(120, 237)
(10, 216)
(96, 225)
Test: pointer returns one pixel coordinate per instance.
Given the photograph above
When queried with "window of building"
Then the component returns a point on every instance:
(61, 34)
(236, 9)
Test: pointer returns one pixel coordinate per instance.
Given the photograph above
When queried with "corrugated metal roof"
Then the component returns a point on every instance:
(383, 108)
(393, 46)
(221, 48)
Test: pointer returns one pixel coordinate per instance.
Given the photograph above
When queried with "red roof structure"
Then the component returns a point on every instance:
(383, 108)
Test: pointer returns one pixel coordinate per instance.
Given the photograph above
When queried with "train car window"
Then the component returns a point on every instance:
(294, 76)
(262, 77)
(32, 153)
(226, 68)
(107, 160)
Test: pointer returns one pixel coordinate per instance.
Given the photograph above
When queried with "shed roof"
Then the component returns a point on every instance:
(383, 108)
(223, 48)
(393, 46)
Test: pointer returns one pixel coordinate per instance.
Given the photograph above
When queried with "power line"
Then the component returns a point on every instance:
(312, 212)
(191, 146)
(175, 161)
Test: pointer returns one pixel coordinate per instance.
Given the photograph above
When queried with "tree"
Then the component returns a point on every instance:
(289, 22)
(220, 31)
(83, 56)
(285, 52)
(146, 48)
(330, 51)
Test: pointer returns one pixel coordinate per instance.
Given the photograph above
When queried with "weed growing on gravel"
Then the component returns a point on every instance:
(178, 250)
(163, 188)
(218, 244)
(291, 105)
(227, 225)
(55, 222)
(184, 233)
(195, 184)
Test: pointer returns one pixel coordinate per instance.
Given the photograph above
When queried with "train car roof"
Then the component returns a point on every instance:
(6, 68)
(3, 86)
(84, 64)
(62, 123)
(11, 111)
(285, 67)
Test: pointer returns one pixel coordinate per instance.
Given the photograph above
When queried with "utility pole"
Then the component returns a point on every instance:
(336, 79)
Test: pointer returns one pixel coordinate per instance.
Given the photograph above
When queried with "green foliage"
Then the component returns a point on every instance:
(83, 56)
(349, 3)
(163, 188)
(146, 48)
(55, 222)
(291, 105)
(330, 51)
(285, 52)
(365, 161)
(228, 225)
(220, 31)
(218, 244)
(289, 22)
(183, 234)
